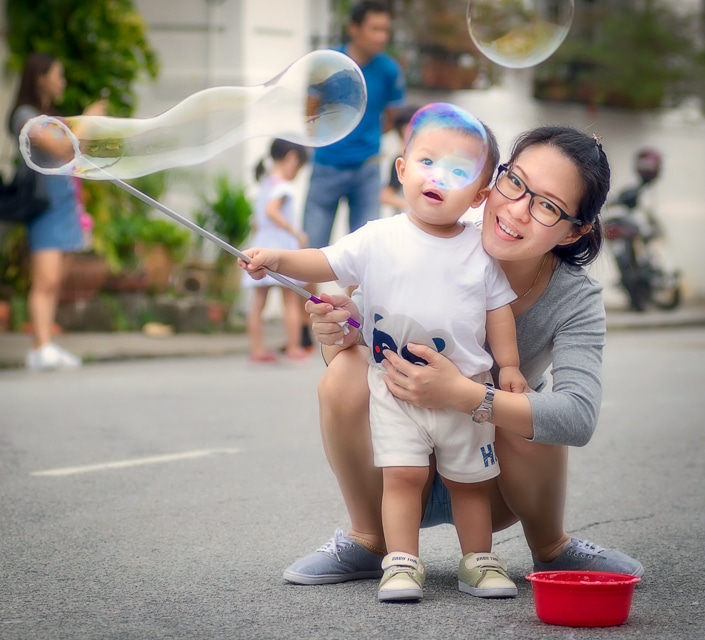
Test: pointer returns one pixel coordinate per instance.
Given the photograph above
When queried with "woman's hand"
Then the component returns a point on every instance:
(98, 108)
(328, 320)
(438, 385)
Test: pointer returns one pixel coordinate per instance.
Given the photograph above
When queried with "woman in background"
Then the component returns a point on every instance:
(56, 231)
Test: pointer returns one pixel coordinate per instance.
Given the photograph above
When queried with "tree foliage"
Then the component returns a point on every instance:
(102, 44)
(645, 54)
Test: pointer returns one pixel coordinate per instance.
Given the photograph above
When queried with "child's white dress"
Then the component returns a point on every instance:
(267, 234)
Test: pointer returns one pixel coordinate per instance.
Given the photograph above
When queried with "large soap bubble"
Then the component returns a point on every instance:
(316, 101)
(459, 165)
(519, 33)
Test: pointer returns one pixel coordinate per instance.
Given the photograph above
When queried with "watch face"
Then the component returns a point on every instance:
(481, 415)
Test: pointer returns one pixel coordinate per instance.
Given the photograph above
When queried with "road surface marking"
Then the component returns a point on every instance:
(134, 462)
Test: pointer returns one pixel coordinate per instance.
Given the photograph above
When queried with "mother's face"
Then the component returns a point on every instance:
(508, 231)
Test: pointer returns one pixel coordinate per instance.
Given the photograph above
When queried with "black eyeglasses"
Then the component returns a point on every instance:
(541, 209)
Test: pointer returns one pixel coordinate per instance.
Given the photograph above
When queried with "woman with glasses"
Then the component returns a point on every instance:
(541, 222)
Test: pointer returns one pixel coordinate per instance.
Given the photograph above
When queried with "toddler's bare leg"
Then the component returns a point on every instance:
(472, 515)
(401, 507)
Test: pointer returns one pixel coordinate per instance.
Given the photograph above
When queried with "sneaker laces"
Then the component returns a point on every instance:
(587, 546)
(338, 541)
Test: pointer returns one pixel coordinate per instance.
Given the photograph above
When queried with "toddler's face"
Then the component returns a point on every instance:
(440, 178)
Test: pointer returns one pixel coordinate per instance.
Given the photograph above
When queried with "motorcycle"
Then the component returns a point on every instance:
(631, 235)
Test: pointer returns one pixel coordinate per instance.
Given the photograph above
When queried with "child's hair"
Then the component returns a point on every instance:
(278, 151)
(492, 159)
(588, 157)
(443, 115)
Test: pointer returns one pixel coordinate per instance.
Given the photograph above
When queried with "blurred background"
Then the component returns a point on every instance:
(630, 71)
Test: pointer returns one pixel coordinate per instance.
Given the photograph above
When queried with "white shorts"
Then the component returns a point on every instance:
(405, 436)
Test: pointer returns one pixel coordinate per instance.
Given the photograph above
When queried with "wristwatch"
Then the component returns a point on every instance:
(484, 412)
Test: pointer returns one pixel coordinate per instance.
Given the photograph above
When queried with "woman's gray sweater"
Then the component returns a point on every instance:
(564, 329)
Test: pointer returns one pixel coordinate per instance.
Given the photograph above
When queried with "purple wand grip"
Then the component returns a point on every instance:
(351, 322)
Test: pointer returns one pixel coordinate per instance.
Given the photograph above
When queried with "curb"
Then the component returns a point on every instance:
(112, 347)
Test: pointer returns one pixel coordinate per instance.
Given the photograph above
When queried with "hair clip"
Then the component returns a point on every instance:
(598, 140)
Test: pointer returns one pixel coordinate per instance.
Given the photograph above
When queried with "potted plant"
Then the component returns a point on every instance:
(227, 213)
(119, 222)
(161, 245)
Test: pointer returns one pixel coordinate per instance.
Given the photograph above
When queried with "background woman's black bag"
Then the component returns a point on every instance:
(19, 200)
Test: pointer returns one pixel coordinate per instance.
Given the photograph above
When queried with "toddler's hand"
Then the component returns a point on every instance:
(511, 379)
(260, 260)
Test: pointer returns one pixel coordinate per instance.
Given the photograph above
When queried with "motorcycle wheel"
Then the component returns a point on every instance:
(638, 289)
(665, 290)
(634, 277)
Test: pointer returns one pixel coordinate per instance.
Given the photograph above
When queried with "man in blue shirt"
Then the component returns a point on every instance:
(350, 168)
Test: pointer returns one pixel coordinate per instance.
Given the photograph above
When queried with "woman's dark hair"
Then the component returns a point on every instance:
(37, 65)
(278, 151)
(586, 153)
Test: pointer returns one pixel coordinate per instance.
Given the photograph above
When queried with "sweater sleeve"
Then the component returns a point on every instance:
(568, 413)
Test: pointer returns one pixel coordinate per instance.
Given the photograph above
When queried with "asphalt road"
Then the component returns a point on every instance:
(163, 498)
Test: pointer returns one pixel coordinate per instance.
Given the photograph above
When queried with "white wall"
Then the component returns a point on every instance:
(206, 43)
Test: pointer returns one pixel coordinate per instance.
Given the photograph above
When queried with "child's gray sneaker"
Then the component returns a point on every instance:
(340, 559)
(583, 555)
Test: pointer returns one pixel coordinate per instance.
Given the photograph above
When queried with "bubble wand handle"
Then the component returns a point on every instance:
(218, 241)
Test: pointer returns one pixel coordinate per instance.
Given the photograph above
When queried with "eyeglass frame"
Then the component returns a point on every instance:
(502, 168)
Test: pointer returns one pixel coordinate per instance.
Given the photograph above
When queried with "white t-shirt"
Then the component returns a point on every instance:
(421, 288)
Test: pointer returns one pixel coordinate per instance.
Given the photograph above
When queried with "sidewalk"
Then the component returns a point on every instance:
(95, 347)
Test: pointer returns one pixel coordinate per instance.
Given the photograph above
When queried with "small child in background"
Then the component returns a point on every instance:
(275, 228)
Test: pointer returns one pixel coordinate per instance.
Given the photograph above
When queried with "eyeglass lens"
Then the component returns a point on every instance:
(542, 209)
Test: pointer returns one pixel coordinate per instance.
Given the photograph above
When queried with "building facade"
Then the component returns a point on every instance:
(205, 43)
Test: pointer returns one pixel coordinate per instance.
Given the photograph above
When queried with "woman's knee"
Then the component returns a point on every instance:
(513, 450)
(46, 283)
(47, 271)
(343, 390)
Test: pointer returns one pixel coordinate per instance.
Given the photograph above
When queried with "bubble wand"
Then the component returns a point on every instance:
(316, 101)
(218, 241)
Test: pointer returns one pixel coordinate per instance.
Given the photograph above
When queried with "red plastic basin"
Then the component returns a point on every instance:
(582, 598)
